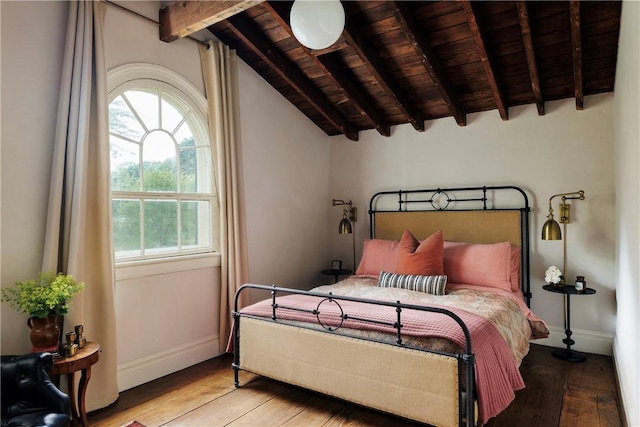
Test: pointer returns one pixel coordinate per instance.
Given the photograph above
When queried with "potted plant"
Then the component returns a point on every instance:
(43, 300)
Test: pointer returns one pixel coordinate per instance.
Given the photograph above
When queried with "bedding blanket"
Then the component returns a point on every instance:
(497, 374)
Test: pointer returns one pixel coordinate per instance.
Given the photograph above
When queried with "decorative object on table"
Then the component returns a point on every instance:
(551, 229)
(43, 300)
(70, 348)
(317, 24)
(336, 264)
(553, 276)
(80, 339)
(580, 284)
(349, 216)
(44, 334)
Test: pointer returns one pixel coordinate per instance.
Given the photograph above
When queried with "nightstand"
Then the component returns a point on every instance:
(567, 353)
(336, 273)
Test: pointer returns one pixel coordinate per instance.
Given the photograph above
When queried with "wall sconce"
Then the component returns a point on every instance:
(551, 229)
(317, 24)
(349, 216)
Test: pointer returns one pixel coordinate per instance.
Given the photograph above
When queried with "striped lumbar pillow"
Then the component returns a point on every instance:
(430, 284)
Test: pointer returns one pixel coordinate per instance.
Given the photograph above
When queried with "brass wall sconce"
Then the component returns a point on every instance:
(349, 216)
(551, 228)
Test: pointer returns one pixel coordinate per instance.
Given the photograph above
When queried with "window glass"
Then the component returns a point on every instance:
(163, 197)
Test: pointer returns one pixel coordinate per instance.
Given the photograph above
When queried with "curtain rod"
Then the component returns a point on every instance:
(146, 18)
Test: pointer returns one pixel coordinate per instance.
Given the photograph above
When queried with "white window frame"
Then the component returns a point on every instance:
(129, 76)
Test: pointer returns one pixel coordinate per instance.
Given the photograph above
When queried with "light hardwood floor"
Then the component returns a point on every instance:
(558, 393)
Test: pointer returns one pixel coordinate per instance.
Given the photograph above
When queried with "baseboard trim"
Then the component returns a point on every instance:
(149, 368)
(622, 407)
(586, 341)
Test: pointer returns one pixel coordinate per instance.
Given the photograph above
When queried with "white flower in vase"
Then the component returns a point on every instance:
(553, 275)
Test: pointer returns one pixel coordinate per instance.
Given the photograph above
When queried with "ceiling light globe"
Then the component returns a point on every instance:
(317, 24)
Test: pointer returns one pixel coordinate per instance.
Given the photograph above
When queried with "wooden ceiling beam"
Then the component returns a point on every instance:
(532, 65)
(429, 59)
(185, 17)
(374, 64)
(331, 63)
(488, 62)
(250, 34)
(576, 50)
(331, 66)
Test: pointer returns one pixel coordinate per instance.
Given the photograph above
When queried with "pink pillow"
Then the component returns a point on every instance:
(515, 268)
(478, 264)
(426, 258)
(378, 255)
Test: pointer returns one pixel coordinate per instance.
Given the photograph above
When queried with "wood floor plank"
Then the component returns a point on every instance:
(277, 411)
(183, 394)
(579, 408)
(356, 416)
(137, 396)
(327, 411)
(319, 411)
(198, 394)
(544, 386)
(232, 406)
(596, 374)
(608, 411)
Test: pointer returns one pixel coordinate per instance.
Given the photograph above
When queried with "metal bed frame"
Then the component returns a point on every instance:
(466, 360)
(438, 199)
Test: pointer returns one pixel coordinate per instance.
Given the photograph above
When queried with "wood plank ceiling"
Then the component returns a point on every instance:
(411, 61)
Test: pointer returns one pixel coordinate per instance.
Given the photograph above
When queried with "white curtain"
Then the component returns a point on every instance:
(220, 71)
(78, 233)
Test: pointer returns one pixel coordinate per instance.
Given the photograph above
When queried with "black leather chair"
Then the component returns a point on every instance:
(29, 398)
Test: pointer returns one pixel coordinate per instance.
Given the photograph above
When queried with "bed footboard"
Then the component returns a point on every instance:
(408, 382)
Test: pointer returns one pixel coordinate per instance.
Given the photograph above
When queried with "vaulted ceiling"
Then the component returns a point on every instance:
(412, 61)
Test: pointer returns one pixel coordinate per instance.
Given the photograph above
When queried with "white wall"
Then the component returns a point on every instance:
(286, 182)
(31, 69)
(627, 184)
(565, 150)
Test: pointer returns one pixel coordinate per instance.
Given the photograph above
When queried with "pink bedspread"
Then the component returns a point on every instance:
(497, 375)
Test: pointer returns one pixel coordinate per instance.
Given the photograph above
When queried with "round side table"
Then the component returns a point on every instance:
(87, 356)
(336, 273)
(567, 353)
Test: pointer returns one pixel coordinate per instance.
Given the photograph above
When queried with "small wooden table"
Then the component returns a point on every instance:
(86, 357)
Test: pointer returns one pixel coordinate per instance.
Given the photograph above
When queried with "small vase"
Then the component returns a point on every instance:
(45, 334)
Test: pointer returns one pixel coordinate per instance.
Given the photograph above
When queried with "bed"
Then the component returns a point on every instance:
(442, 349)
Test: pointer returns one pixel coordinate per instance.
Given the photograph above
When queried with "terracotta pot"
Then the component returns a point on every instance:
(45, 334)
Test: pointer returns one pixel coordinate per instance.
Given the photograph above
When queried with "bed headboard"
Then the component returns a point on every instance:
(489, 214)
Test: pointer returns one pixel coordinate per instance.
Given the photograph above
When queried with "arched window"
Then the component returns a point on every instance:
(162, 186)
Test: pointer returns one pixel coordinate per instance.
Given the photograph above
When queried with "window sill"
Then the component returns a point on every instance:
(137, 269)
